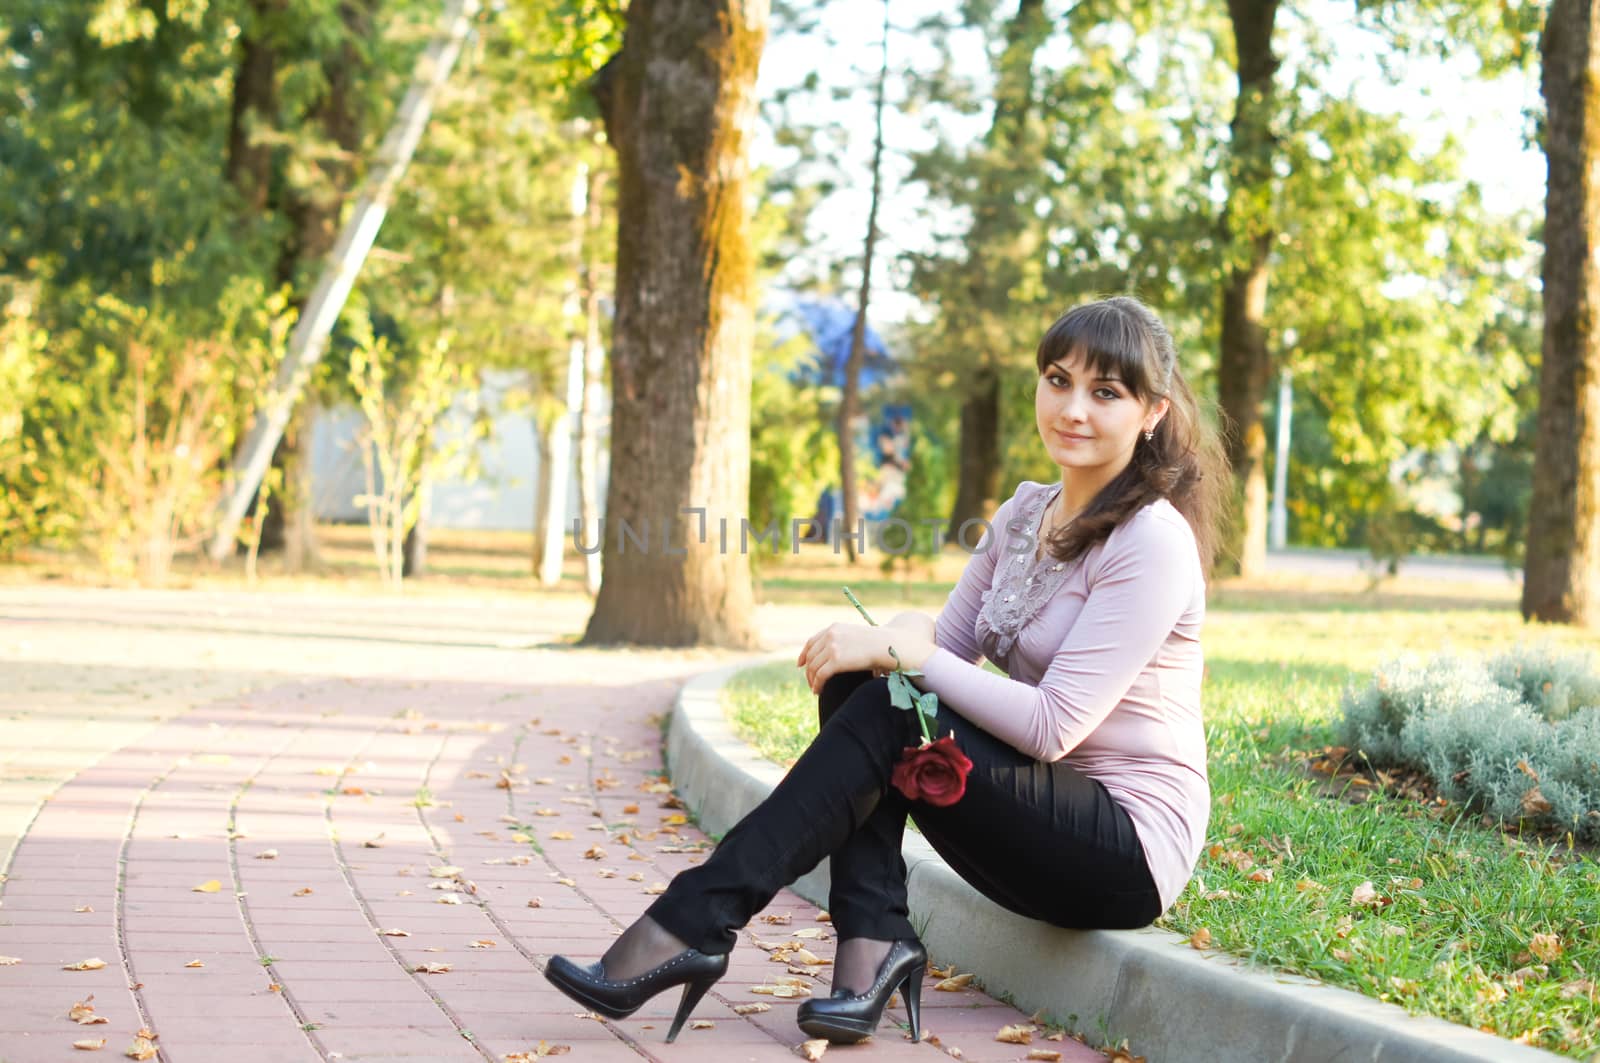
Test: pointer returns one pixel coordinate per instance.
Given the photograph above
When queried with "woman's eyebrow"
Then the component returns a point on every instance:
(1060, 368)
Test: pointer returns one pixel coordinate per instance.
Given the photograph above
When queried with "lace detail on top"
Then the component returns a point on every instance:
(1022, 583)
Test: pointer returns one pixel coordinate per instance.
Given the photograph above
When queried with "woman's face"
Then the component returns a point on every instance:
(1089, 423)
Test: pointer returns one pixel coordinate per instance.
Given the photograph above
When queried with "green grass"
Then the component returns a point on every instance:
(1465, 901)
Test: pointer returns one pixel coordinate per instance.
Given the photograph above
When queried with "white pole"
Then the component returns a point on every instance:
(1278, 523)
(322, 310)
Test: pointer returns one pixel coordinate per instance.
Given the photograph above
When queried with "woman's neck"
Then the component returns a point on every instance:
(1076, 494)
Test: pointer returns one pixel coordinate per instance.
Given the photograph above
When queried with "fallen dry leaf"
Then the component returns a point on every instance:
(955, 983)
(83, 1014)
(807, 957)
(564, 881)
(812, 1050)
(1365, 895)
(373, 843)
(655, 888)
(812, 932)
(637, 876)
(194, 963)
(10, 961)
(395, 932)
(536, 902)
(1261, 874)
(83, 908)
(1534, 803)
(1049, 1055)
(1546, 947)
(702, 1024)
(142, 1048)
(1200, 939)
(1578, 987)
(561, 835)
(1015, 1035)
(303, 891)
(90, 1044)
(267, 854)
(537, 1052)
(594, 852)
(448, 871)
(212, 886)
(450, 898)
(94, 963)
(483, 943)
(432, 968)
(783, 992)
(751, 1009)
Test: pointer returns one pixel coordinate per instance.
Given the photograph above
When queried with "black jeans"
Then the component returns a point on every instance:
(1043, 840)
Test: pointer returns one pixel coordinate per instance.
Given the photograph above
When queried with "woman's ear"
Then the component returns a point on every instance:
(1157, 412)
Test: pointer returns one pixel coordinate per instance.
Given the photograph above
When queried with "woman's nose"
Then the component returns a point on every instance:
(1073, 405)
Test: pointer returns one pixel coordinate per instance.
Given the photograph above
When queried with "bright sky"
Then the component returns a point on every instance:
(1436, 99)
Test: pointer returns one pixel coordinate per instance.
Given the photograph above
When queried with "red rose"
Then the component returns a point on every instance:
(934, 772)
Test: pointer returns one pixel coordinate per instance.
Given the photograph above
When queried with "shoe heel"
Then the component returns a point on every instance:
(911, 989)
(692, 992)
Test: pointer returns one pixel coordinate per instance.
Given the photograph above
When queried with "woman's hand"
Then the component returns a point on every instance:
(858, 648)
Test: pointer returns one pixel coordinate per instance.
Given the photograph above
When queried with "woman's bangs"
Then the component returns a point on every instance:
(1110, 344)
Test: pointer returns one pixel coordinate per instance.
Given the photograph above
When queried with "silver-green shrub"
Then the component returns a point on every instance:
(1503, 736)
(1557, 684)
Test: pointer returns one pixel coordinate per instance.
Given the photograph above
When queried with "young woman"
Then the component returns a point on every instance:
(1087, 801)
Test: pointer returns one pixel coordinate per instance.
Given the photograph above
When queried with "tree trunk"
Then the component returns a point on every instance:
(850, 401)
(541, 493)
(1244, 369)
(998, 227)
(313, 207)
(300, 548)
(679, 106)
(978, 475)
(255, 106)
(557, 483)
(593, 385)
(1561, 581)
(415, 560)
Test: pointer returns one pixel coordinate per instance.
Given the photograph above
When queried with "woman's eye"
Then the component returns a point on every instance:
(1106, 393)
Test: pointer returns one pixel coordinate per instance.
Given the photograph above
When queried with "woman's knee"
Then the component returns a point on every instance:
(837, 690)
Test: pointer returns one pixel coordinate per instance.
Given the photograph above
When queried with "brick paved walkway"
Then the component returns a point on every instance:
(270, 817)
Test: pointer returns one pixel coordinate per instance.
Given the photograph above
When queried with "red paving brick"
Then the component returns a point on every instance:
(359, 789)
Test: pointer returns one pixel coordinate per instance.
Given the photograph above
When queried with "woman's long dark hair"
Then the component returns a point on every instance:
(1183, 460)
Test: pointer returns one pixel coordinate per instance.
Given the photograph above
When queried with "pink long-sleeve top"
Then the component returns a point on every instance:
(1102, 660)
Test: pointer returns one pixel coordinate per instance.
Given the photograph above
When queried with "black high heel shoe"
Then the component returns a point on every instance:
(589, 986)
(845, 1018)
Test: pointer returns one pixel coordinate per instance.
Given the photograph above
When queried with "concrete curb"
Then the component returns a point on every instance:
(1172, 1003)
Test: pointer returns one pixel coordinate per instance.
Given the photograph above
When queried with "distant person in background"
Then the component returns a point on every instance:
(1085, 798)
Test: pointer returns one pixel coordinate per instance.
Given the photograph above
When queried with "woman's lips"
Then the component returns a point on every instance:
(1068, 437)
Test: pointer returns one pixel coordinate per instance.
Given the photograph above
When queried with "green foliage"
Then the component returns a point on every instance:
(1517, 736)
(31, 494)
(930, 492)
(794, 452)
(569, 41)
(403, 444)
(166, 400)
